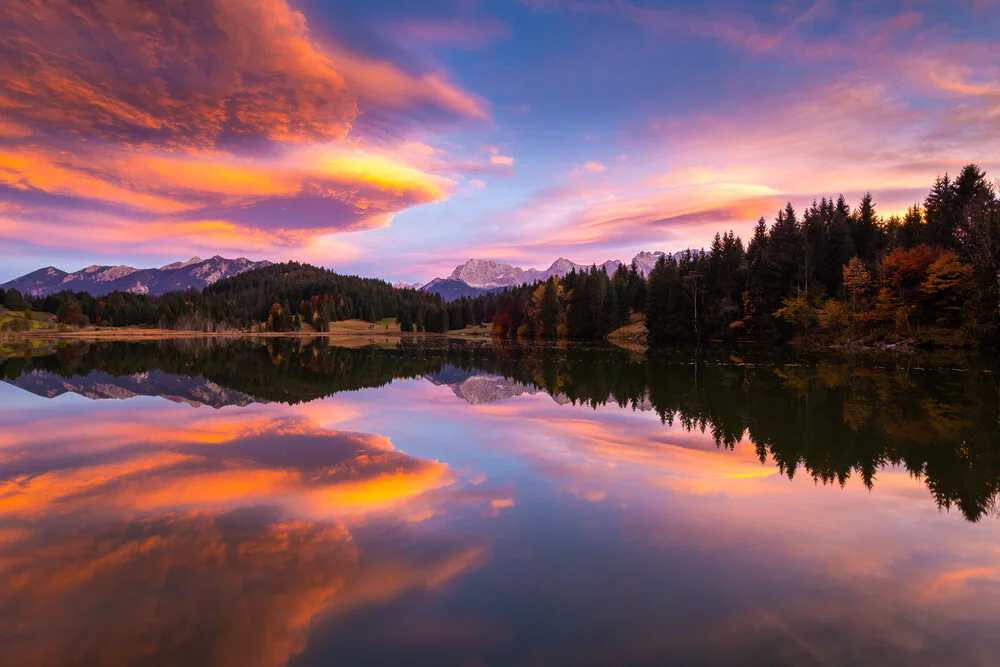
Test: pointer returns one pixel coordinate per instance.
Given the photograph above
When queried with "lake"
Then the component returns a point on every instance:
(285, 502)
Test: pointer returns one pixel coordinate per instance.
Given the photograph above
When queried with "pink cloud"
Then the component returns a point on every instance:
(146, 73)
(126, 121)
(691, 176)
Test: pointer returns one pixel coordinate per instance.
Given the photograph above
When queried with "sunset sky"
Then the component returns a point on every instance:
(397, 138)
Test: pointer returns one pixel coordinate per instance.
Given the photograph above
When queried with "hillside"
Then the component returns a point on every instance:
(275, 297)
(15, 321)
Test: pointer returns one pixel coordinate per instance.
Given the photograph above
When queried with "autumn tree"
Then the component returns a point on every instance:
(946, 283)
(857, 282)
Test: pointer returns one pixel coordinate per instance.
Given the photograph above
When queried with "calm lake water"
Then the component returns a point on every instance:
(277, 502)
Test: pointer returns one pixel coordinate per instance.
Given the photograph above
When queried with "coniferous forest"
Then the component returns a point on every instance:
(830, 273)
(280, 297)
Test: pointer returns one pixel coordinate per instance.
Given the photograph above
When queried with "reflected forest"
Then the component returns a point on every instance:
(831, 419)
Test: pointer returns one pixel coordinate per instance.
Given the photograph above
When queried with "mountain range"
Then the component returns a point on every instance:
(471, 279)
(97, 280)
(479, 276)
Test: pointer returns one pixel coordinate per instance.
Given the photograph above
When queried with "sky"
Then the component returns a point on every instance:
(397, 139)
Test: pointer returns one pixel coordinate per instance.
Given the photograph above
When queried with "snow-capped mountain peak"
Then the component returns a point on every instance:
(488, 274)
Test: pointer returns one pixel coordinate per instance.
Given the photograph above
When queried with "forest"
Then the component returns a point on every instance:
(831, 272)
(828, 274)
(280, 297)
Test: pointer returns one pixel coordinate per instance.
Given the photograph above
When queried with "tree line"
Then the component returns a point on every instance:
(280, 297)
(832, 271)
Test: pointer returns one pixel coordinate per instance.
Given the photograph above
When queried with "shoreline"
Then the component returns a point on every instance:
(163, 334)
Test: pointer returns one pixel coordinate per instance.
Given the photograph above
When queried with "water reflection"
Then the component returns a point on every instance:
(152, 536)
(469, 504)
(830, 420)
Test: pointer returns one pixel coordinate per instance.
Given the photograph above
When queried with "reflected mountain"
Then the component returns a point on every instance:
(830, 419)
(478, 388)
(98, 385)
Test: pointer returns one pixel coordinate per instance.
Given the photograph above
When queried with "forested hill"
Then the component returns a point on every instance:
(315, 295)
(280, 297)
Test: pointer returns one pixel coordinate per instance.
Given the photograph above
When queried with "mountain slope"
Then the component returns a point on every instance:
(99, 280)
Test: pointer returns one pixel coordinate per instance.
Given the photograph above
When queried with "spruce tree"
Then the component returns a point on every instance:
(864, 229)
(941, 213)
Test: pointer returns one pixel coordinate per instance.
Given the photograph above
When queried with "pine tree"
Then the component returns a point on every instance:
(841, 244)
(15, 301)
(912, 228)
(941, 213)
(549, 310)
(406, 321)
(659, 299)
(865, 230)
(780, 272)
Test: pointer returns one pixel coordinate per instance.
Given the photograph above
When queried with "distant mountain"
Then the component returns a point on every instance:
(404, 285)
(477, 276)
(645, 261)
(487, 274)
(195, 273)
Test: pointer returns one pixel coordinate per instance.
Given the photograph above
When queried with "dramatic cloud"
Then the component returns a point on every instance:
(242, 127)
(176, 74)
(138, 117)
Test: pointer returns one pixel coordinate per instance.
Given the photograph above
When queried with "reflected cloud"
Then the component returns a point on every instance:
(287, 462)
(216, 538)
(231, 589)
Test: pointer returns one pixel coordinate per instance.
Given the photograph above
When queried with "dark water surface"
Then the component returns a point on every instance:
(276, 502)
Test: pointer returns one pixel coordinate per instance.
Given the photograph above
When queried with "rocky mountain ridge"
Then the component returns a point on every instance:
(98, 280)
(478, 276)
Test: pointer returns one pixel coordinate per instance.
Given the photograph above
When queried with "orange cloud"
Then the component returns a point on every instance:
(156, 73)
(127, 116)
(123, 196)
